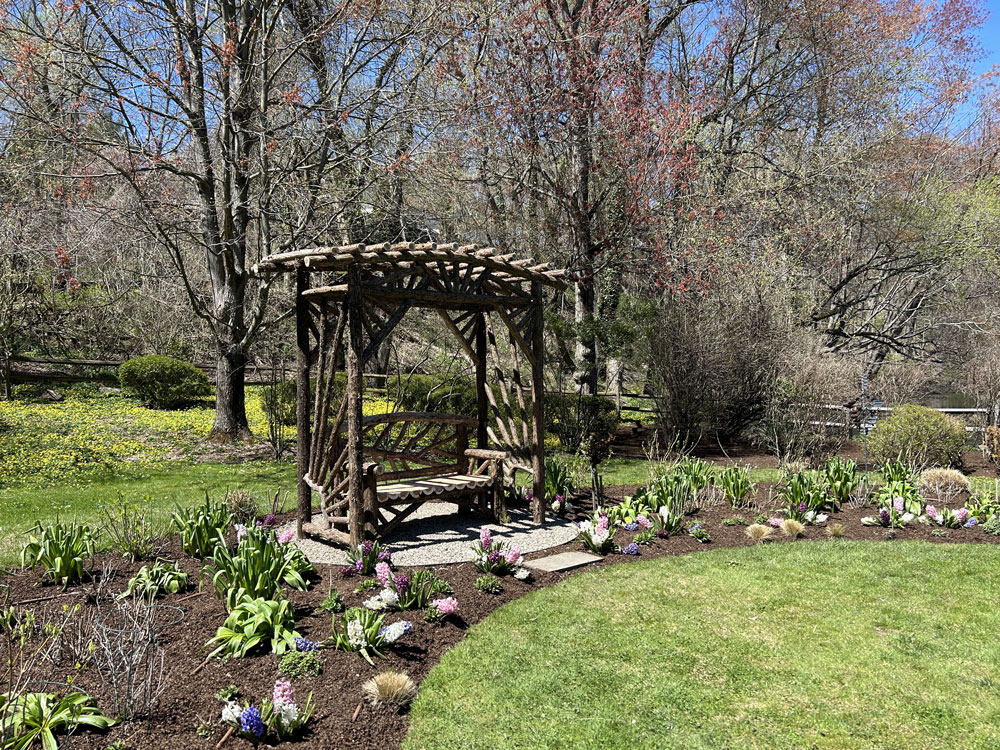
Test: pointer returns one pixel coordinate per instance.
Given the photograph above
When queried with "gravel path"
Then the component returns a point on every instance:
(436, 534)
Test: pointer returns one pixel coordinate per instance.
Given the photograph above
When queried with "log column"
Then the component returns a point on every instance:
(355, 349)
(302, 426)
(482, 404)
(537, 406)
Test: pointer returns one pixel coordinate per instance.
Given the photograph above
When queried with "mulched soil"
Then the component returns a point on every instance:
(187, 715)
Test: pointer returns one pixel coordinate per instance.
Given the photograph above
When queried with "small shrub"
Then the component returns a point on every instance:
(163, 577)
(489, 585)
(835, 531)
(791, 528)
(299, 664)
(128, 526)
(60, 550)
(758, 532)
(918, 437)
(942, 482)
(163, 382)
(253, 623)
(242, 506)
(394, 689)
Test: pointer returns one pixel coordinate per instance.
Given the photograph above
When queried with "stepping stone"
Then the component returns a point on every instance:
(562, 561)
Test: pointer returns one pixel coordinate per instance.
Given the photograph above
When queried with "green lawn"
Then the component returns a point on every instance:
(167, 486)
(795, 645)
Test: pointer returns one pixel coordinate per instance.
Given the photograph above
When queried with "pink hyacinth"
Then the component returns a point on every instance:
(485, 538)
(932, 511)
(513, 555)
(241, 531)
(962, 514)
(602, 523)
(286, 536)
(383, 573)
(775, 522)
(899, 504)
(447, 606)
(284, 693)
(644, 522)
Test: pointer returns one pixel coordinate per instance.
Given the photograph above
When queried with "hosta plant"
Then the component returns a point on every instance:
(60, 551)
(201, 528)
(736, 485)
(34, 719)
(163, 577)
(256, 568)
(253, 623)
(362, 631)
(494, 556)
(842, 479)
(365, 557)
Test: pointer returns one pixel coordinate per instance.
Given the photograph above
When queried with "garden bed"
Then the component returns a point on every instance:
(188, 713)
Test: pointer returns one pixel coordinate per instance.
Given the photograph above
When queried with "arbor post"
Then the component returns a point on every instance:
(355, 349)
(537, 406)
(302, 427)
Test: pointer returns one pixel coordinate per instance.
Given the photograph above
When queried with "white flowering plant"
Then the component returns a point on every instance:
(363, 631)
(596, 534)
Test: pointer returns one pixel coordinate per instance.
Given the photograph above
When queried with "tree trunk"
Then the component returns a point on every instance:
(230, 395)
(585, 376)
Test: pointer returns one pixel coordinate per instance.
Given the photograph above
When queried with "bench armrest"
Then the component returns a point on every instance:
(372, 468)
(487, 455)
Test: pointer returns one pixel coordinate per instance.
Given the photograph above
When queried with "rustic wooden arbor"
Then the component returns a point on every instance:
(372, 472)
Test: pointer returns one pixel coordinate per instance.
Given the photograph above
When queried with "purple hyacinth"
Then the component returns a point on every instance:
(269, 520)
(359, 566)
(348, 570)
(304, 644)
(402, 582)
(633, 526)
(662, 533)
(803, 507)
(971, 522)
(884, 516)
(250, 722)
(630, 549)
(385, 556)
(367, 547)
(494, 557)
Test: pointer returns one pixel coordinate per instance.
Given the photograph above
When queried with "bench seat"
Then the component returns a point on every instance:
(426, 488)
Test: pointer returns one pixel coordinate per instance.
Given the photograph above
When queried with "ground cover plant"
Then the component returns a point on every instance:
(733, 633)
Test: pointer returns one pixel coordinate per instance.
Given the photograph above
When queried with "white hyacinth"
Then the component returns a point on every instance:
(522, 574)
(394, 632)
(385, 599)
(288, 712)
(231, 713)
(356, 634)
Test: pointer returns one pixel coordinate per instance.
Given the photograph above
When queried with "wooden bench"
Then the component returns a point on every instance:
(413, 458)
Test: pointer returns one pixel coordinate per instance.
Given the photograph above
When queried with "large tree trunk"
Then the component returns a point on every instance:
(230, 395)
(585, 376)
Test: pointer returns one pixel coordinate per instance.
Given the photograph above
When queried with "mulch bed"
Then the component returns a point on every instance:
(188, 713)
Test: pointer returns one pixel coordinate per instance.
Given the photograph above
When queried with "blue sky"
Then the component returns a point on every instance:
(991, 36)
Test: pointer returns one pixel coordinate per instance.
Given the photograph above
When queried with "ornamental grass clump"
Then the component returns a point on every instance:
(277, 720)
(596, 534)
(759, 533)
(60, 551)
(362, 631)
(943, 483)
(791, 528)
(836, 531)
(496, 557)
(394, 689)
